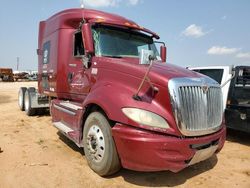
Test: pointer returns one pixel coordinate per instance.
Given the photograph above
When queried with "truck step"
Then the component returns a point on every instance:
(67, 117)
(68, 132)
(62, 127)
(70, 105)
(63, 109)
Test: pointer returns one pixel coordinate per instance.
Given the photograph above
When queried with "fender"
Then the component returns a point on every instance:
(113, 97)
(107, 97)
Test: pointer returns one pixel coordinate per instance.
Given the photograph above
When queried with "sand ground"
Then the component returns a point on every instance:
(34, 154)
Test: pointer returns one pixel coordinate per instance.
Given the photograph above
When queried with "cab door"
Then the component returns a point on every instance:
(78, 76)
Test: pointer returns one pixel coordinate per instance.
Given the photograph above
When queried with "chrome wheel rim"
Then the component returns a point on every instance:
(26, 101)
(95, 143)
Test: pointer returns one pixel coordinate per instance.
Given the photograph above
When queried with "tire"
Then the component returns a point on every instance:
(21, 94)
(27, 103)
(32, 89)
(99, 146)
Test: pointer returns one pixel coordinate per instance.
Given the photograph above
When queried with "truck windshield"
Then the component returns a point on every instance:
(116, 42)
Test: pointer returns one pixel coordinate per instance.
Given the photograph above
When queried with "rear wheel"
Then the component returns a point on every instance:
(99, 146)
(21, 94)
(27, 102)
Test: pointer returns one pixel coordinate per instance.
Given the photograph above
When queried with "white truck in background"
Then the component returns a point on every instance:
(235, 84)
(222, 74)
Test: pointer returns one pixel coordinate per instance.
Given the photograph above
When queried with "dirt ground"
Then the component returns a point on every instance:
(34, 154)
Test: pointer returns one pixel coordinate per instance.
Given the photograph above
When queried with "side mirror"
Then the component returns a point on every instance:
(87, 39)
(145, 56)
(163, 53)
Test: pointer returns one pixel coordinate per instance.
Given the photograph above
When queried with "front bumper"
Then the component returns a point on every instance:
(144, 150)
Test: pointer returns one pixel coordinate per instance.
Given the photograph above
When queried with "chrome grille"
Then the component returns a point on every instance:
(197, 105)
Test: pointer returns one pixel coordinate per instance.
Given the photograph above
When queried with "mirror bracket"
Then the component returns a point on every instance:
(86, 61)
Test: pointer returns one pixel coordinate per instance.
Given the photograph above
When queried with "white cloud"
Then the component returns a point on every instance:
(194, 31)
(243, 55)
(224, 17)
(99, 3)
(133, 2)
(107, 3)
(222, 50)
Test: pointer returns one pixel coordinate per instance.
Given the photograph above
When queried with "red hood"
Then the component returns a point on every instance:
(124, 75)
(159, 74)
(162, 72)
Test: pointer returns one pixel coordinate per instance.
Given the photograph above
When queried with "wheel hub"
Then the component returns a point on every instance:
(95, 143)
(26, 101)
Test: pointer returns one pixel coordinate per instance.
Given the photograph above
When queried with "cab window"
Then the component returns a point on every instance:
(78, 44)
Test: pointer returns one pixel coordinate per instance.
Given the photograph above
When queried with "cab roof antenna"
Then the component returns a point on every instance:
(83, 20)
(82, 4)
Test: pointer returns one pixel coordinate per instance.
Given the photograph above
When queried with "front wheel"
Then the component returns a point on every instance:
(99, 146)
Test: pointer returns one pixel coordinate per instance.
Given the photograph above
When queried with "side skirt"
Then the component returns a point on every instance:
(67, 118)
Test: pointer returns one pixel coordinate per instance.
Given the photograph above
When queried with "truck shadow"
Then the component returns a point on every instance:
(42, 112)
(153, 179)
(70, 143)
(238, 136)
(166, 178)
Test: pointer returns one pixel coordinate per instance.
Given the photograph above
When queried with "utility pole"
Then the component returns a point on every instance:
(17, 63)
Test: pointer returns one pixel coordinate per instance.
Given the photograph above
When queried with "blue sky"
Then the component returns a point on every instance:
(197, 33)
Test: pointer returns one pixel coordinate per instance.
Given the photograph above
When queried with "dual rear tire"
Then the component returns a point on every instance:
(21, 94)
(24, 100)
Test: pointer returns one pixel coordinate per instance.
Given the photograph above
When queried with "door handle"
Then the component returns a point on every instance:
(70, 77)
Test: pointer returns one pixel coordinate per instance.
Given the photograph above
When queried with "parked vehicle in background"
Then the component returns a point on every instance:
(221, 74)
(111, 92)
(33, 77)
(21, 76)
(235, 83)
(6, 74)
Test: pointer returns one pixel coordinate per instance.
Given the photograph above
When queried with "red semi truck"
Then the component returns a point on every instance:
(111, 92)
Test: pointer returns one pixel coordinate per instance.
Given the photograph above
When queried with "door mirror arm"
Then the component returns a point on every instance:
(86, 61)
(225, 83)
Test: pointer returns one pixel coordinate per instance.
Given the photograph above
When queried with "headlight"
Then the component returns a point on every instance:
(145, 117)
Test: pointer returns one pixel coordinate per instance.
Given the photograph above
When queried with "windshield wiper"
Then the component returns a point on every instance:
(112, 56)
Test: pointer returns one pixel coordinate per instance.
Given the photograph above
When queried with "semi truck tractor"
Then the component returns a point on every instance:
(112, 93)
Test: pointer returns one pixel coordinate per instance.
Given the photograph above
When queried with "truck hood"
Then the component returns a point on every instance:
(159, 74)
(123, 76)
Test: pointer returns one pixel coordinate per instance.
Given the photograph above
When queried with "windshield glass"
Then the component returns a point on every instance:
(215, 74)
(115, 42)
